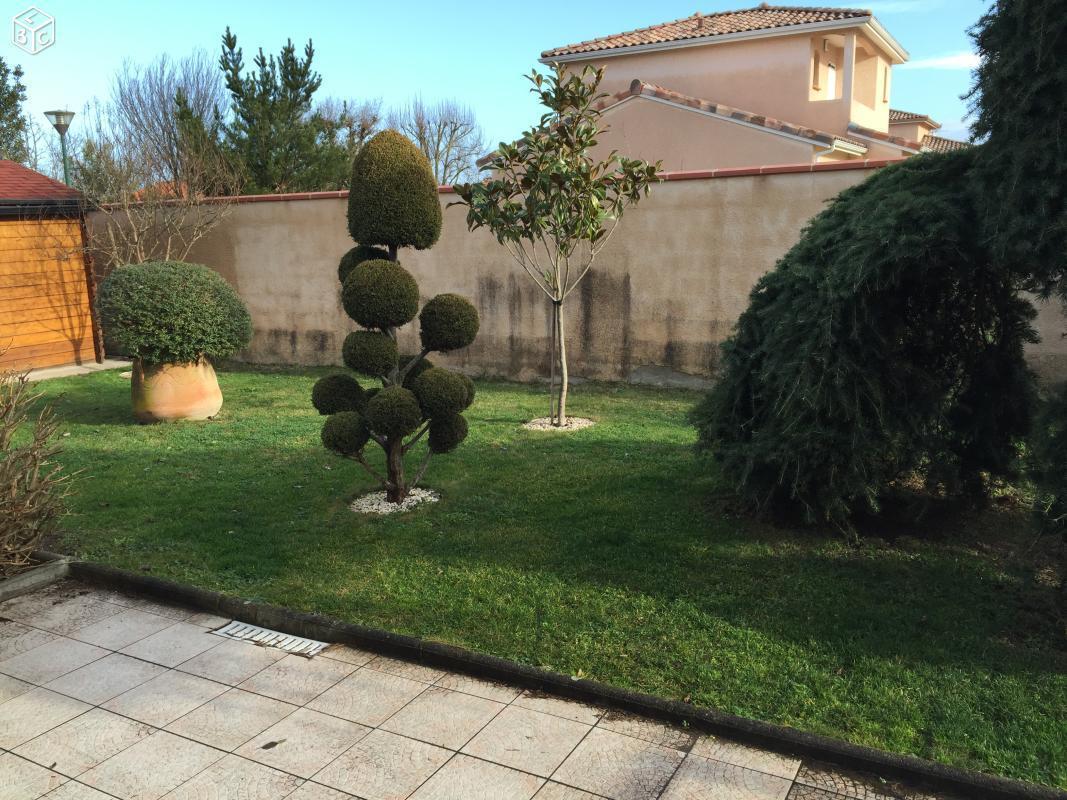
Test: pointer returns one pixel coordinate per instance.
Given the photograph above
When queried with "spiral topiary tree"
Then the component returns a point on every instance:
(393, 204)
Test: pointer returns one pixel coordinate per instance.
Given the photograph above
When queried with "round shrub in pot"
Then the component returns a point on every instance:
(173, 319)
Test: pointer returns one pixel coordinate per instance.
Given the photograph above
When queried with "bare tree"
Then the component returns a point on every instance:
(144, 107)
(39, 153)
(342, 128)
(448, 134)
(141, 216)
(32, 485)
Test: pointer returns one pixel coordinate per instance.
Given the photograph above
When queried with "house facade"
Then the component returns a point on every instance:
(761, 86)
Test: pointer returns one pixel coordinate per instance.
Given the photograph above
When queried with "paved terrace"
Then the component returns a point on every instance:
(106, 695)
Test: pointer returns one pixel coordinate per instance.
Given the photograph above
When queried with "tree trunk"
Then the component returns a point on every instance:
(394, 465)
(561, 417)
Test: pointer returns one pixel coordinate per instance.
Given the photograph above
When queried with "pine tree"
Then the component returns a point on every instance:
(271, 134)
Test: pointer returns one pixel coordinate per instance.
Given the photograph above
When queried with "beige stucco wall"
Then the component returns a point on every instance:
(665, 291)
(644, 128)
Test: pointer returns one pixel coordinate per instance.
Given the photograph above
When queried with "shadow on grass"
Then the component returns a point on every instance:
(251, 517)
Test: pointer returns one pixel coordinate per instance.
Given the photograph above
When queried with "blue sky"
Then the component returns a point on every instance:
(474, 51)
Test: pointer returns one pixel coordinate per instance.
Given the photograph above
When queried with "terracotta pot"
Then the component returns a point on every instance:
(165, 392)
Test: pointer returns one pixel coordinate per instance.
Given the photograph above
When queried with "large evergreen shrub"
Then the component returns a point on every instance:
(1021, 176)
(885, 342)
(393, 203)
(1020, 102)
(1049, 463)
(889, 340)
(171, 312)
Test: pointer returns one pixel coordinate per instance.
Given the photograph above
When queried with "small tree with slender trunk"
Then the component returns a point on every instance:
(392, 204)
(551, 204)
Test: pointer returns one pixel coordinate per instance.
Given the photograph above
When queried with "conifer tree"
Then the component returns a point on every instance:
(12, 120)
(393, 204)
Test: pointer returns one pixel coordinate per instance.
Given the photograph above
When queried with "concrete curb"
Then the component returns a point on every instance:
(915, 770)
(53, 569)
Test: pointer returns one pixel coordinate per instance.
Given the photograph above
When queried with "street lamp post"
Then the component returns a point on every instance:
(61, 121)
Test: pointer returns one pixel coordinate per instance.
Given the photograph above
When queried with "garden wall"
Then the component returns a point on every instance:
(665, 291)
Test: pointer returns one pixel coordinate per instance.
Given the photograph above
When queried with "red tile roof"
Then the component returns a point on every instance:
(930, 144)
(870, 133)
(708, 26)
(939, 144)
(639, 87)
(22, 183)
(896, 115)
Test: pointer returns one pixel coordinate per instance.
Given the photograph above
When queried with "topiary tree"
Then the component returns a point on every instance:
(551, 204)
(173, 319)
(172, 312)
(393, 204)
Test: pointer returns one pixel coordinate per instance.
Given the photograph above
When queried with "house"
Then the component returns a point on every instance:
(761, 86)
(46, 285)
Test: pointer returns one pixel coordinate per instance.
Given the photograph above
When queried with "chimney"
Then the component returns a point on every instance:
(700, 20)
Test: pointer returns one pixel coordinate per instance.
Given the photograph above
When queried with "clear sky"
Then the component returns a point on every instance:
(471, 50)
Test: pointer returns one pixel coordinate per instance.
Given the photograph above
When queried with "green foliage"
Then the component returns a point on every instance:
(345, 433)
(416, 369)
(885, 342)
(170, 312)
(392, 200)
(549, 201)
(447, 433)
(547, 185)
(393, 203)
(441, 392)
(448, 322)
(341, 131)
(338, 392)
(272, 134)
(369, 352)
(394, 411)
(469, 384)
(12, 119)
(1049, 463)
(357, 255)
(380, 294)
(1021, 174)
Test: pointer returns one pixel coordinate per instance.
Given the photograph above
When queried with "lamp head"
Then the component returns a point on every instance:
(60, 120)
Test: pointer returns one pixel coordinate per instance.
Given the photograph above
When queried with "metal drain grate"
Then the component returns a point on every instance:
(268, 638)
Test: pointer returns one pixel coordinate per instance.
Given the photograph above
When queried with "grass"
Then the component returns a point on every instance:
(597, 554)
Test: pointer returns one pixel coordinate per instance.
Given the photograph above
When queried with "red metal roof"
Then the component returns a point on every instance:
(700, 26)
(22, 183)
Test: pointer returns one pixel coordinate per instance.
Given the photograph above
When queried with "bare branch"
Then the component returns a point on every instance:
(448, 134)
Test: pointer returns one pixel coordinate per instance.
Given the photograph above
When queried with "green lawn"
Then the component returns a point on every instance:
(596, 554)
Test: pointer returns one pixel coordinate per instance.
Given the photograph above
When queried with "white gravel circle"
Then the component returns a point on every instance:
(377, 502)
(545, 424)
